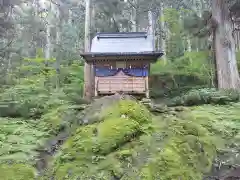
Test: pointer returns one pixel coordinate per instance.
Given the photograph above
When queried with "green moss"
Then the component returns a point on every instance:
(130, 109)
(182, 146)
(168, 165)
(57, 119)
(113, 133)
(17, 172)
(104, 137)
(186, 150)
(93, 151)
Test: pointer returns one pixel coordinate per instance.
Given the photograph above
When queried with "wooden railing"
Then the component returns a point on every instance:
(115, 84)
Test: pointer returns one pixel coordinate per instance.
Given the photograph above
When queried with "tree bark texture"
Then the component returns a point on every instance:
(151, 30)
(58, 45)
(163, 30)
(48, 43)
(134, 17)
(237, 39)
(189, 44)
(88, 90)
(227, 72)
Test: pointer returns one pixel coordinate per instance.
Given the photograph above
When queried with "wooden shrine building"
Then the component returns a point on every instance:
(121, 62)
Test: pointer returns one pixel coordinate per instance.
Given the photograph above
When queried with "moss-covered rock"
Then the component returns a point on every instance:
(186, 150)
(94, 112)
(92, 150)
(129, 109)
(121, 139)
(106, 136)
(119, 146)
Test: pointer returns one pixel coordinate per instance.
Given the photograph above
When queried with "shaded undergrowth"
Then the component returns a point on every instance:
(205, 96)
(35, 118)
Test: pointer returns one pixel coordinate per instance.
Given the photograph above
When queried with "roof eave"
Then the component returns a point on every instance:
(150, 56)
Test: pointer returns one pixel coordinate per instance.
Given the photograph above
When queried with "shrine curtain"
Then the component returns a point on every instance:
(136, 72)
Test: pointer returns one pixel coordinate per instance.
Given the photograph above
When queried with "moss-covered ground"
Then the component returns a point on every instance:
(129, 143)
(19, 140)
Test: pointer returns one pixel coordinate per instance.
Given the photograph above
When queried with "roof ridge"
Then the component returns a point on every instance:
(142, 32)
(122, 35)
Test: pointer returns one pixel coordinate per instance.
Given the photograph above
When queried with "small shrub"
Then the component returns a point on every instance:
(192, 70)
(23, 101)
(205, 96)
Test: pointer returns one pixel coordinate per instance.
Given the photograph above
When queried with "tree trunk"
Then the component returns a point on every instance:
(88, 91)
(199, 7)
(48, 46)
(70, 17)
(227, 72)
(58, 46)
(214, 62)
(92, 34)
(134, 17)
(237, 39)
(163, 31)
(189, 44)
(151, 30)
(93, 21)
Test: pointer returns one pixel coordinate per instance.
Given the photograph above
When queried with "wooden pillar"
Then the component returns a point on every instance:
(147, 87)
(87, 81)
(147, 82)
(95, 85)
(92, 79)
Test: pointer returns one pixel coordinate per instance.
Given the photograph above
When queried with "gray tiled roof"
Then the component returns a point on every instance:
(133, 42)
